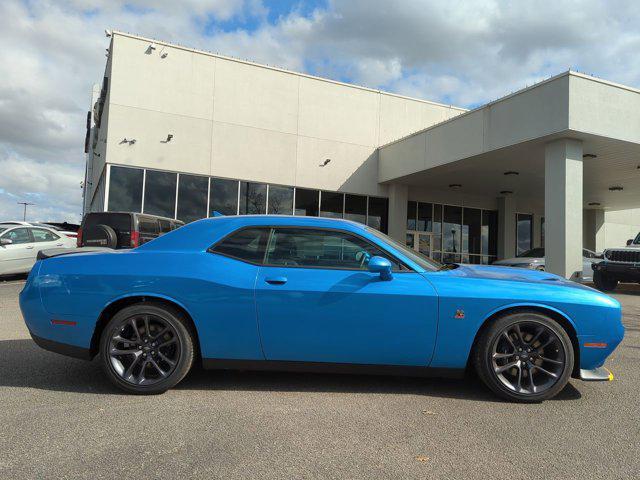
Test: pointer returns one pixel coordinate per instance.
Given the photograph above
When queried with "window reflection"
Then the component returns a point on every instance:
(471, 231)
(280, 200)
(160, 193)
(355, 208)
(331, 204)
(451, 229)
(223, 197)
(125, 189)
(307, 202)
(253, 198)
(378, 213)
(524, 233)
(192, 197)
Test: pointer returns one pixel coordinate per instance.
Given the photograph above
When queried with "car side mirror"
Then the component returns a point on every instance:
(5, 241)
(382, 266)
(629, 242)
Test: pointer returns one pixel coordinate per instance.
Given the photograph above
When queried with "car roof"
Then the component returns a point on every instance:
(137, 214)
(201, 234)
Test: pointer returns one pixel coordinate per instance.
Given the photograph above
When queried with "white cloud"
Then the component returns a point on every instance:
(463, 53)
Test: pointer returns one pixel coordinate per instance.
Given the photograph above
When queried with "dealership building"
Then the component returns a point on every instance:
(183, 133)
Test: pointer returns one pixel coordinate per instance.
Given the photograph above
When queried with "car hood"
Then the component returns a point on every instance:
(492, 272)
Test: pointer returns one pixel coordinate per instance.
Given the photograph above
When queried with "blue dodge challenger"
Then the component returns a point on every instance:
(303, 293)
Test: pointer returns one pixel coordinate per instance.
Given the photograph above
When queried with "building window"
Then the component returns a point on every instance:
(524, 232)
(223, 197)
(451, 229)
(160, 193)
(378, 213)
(307, 202)
(489, 235)
(253, 198)
(437, 228)
(472, 231)
(280, 200)
(425, 217)
(192, 197)
(331, 204)
(412, 215)
(125, 189)
(355, 208)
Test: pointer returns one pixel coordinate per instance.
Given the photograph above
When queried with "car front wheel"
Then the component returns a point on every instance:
(147, 348)
(524, 357)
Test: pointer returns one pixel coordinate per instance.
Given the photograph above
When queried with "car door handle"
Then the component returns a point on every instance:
(59, 244)
(29, 247)
(276, 280)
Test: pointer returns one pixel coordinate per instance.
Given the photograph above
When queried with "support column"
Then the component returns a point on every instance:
(398, 198)
(506, 227)
(563, 207)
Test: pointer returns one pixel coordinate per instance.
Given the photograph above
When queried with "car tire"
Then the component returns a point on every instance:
(162, 349)
(518, 383)
(604, 282)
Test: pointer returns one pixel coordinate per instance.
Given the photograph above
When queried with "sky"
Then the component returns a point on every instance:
(454, 52)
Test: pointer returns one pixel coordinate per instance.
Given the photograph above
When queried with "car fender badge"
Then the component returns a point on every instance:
(459, 314)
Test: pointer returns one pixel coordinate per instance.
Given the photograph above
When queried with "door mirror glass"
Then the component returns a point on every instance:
(5, 241)
(382, 266)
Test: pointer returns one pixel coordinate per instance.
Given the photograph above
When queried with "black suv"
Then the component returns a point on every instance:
(619, 265)
(122, 229)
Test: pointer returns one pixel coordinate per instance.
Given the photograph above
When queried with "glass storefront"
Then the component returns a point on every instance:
(524, 232)
(452, 233)
(192, 197)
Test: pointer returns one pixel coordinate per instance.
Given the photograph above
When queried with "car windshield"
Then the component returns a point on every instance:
(533, 253)
(2, 229)
(637, 240)
(422, 260)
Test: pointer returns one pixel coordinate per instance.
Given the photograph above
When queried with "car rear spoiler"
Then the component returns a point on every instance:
(56, 252)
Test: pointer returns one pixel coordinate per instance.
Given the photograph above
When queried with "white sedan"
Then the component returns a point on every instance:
(20, 244)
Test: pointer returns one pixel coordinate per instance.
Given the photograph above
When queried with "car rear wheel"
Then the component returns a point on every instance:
(147, 348)
(524, 357)
(604, 282)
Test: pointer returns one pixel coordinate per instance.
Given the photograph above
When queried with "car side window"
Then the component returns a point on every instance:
(320, 248)
(18, 235)
(247, 244)
(165, 226)
(41, 235)
(147, 226)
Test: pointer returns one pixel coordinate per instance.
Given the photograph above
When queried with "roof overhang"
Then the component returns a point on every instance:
(475, 149)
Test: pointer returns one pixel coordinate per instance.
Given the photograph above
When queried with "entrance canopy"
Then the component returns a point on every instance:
(571, 142)
(477, 148)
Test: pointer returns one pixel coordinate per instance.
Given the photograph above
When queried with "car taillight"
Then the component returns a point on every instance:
(79, 238)
(135, 239)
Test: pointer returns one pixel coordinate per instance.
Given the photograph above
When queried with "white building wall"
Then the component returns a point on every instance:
(614, 228)
(240, 120)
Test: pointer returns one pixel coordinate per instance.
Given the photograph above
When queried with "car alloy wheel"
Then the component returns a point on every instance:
(147, 348)
(524, 356)
(528, 357)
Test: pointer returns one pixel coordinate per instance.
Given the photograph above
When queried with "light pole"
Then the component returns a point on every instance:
(24, 215)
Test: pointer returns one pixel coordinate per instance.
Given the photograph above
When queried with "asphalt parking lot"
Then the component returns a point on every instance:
(62, 419)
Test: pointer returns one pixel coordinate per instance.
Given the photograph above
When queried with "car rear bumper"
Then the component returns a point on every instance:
(62, 348)
(600, 374)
